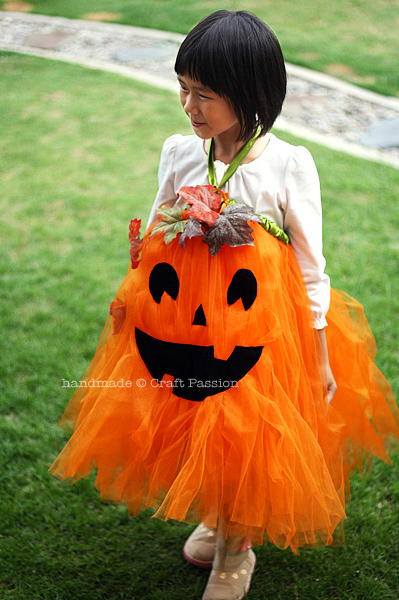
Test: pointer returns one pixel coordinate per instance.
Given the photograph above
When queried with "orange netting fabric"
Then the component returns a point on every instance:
(267, 455)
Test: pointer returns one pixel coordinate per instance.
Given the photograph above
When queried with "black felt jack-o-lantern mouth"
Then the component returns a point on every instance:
(196, 372)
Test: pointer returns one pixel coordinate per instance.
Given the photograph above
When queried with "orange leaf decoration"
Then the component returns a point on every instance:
(118, 311)
(136, 243)
(204, 202)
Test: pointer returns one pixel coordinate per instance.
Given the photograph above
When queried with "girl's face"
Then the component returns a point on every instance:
(210, 114)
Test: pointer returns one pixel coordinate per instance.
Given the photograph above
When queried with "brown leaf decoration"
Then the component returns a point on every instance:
(136, 243)
(192, 229)
(204, 202)
(231, 228)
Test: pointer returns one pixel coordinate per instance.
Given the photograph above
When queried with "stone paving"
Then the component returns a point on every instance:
(318, 107)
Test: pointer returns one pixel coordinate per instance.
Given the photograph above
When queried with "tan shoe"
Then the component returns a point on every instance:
(200, 547)
(232, 578)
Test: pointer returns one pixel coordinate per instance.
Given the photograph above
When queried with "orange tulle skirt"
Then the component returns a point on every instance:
(206, 398)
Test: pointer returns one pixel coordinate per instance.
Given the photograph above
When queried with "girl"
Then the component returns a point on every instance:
(218, 333)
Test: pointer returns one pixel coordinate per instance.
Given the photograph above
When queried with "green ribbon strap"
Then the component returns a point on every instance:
(235, 163)
(270, 226)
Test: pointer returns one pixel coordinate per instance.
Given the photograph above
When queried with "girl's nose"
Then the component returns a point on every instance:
(189, 105)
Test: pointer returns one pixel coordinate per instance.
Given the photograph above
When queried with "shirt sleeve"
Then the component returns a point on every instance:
(166, 177)
(303, 223)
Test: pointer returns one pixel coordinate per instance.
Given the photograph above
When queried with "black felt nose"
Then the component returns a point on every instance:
(199, 317)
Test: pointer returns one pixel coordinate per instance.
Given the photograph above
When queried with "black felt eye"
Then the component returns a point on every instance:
(244, 286)
(163, 278)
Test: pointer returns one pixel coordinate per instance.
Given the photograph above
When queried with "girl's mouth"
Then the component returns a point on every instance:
(195, 124)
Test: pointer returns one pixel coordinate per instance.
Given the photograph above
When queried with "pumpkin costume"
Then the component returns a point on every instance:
(205, 398)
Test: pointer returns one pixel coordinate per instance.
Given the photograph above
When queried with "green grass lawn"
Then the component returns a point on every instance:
(79, 155)
(352, 39)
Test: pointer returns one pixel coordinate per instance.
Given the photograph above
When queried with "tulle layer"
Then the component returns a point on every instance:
(205, 399)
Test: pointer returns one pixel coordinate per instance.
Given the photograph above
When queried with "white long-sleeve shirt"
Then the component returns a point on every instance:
(281, 184)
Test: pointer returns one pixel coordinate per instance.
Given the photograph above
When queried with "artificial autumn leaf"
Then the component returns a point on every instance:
(204, 202)
(136, 243)
(203, 193)
(172, 222)
(192, 229)
(118, 311)
(231, 228)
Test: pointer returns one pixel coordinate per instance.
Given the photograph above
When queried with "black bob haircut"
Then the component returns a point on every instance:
(237, 56)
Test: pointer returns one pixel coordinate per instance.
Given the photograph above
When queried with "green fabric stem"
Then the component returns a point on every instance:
(275, 230)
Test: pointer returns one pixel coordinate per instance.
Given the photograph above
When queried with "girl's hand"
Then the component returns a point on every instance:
(331, 385)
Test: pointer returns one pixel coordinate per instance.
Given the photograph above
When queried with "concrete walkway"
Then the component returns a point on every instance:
(318, 107)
